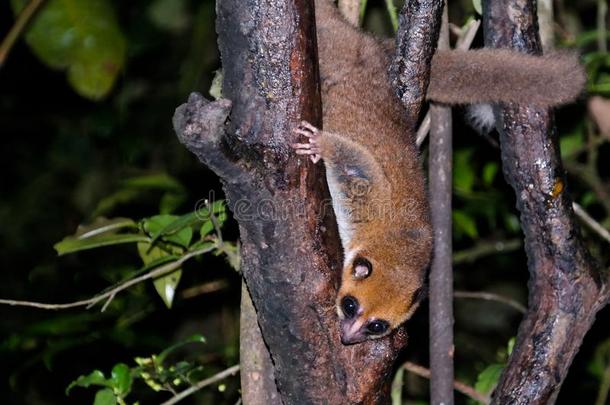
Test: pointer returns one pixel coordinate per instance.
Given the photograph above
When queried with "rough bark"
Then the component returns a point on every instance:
(441, 269)
(566, 288)
(418, 29)
(290, 249)
(256, 372)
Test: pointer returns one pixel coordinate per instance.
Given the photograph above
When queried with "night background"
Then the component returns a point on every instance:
(88, 149)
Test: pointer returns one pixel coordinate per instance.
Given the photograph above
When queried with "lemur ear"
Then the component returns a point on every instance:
(362, 268)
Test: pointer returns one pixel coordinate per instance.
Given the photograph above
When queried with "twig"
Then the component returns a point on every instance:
(491, 297)
(459, 386)
(22, 21)
(484, 249)
(604, 387)
(391, 7)
(463, 43)
(602, 10)
(592, 223)
(202, 384)
(109, 295)
(204, 288)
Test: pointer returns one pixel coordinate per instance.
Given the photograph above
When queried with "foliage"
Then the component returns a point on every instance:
(153, 370)
(82, 37)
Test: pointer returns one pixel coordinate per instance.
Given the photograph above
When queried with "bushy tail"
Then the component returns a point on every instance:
(496, 75)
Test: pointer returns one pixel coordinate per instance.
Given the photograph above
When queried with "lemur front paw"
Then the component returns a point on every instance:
(312, 148)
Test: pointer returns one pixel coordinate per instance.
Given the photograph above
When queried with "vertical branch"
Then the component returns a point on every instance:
(547, 24)
(441, 270)
(565, 289)
(256, 374)
(602, 32)
(418, 27)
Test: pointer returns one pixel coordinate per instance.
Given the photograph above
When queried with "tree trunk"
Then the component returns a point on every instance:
(290, 248)
(566, 288)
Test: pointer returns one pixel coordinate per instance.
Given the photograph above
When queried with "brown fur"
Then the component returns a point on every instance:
(492, 75)
(393, 229)
(373, 170)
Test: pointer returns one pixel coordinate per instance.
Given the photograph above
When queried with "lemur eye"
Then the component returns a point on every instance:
(362, 268)
(377, 327)
(349, 305)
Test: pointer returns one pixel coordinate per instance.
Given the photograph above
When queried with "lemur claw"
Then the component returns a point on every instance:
(312, 148)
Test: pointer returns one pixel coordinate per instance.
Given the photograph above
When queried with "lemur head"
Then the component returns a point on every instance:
(379, 291)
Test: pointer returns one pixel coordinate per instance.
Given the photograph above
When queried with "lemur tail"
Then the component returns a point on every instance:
(496, 75)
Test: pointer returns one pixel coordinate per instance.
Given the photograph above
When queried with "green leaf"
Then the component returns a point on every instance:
(488, 378)
(71, 244)
(510, 346)
(178, 225)
(105, 397)
(463, 171)
(155, 227)
(170, 201)
(166, 286)
(216, 87)
(477, 6)
(464, 224)
(489, 173)
(139, 187)
(82, 37)
(391, 8)
(206, 228)
(154, 181)
(571, 142)
(601, 359)
(96, 377)
(121, 379)
(169, 15)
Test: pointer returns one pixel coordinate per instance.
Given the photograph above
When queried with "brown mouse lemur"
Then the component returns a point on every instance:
(372, 167)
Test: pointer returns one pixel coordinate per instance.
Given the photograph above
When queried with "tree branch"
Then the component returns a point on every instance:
(418, 29)
(202, 384)
(457, 385)
(441, 270)
(491, 297)
(22, 21)
(566, 288)
(111, 293)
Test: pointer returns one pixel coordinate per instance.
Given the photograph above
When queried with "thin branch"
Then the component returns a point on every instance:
(109, 295)
(457, 385)
(22, 21)
(485, 249)
(202, 384)
(391, 7)
(591, 223)
(441, 270)
(604, 387)
(491, 297)
(204, 288)
(602, 11)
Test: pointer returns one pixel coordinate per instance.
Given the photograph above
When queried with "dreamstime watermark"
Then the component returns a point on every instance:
(356, 208)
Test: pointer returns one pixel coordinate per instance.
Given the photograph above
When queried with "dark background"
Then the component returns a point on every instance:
(65, 158)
